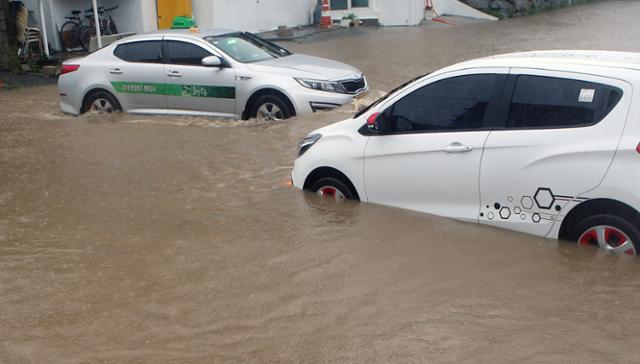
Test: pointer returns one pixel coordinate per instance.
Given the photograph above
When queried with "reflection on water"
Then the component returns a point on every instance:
(128, 238)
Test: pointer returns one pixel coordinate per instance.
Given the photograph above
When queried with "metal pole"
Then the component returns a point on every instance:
(43, 31)
(95, 17)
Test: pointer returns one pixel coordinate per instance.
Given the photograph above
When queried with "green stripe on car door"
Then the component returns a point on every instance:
(172, 89)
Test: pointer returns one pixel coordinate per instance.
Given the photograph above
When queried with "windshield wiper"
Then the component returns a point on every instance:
(386, 96)
(267, 45)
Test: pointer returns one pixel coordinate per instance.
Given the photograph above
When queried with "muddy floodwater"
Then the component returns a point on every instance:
(146, 239)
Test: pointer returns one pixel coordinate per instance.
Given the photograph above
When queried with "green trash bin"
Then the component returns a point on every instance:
(183, 22)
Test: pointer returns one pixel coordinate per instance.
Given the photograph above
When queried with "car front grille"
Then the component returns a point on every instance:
(354, 86)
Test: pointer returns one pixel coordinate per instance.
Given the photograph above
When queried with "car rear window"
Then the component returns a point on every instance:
(142, 52)
(549, 102)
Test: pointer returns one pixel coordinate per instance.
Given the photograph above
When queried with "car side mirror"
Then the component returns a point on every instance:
(377, 123)
(212, 61)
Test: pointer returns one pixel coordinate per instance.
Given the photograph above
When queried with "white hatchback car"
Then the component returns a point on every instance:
(540, 142)
(205, 72)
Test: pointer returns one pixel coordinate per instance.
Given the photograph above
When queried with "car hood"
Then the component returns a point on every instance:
(300, 65)
(348, 125)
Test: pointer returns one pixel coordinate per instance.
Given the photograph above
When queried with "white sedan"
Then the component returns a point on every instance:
(540, 142)
(205, 72)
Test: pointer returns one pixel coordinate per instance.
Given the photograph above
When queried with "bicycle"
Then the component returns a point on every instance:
(71, 31)
(107, 24)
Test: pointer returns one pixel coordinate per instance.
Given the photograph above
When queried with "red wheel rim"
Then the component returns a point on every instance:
(330, 192)
(609, 238)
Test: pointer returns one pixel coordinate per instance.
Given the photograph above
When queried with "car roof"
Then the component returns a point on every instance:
(558, 59)
(187, 33)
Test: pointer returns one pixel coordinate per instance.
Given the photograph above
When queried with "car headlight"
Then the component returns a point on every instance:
(307, 143)
(320, 85)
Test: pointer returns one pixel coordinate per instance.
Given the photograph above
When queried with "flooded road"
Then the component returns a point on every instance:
(141, 239)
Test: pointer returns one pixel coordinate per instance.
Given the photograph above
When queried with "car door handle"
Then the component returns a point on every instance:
(115, 71)
(174, 74)
(457, 148)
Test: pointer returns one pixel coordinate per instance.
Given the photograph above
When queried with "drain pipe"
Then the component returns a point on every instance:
(97, 20)
(43, 31)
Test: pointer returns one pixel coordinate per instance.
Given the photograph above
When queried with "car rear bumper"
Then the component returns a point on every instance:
(70, 95)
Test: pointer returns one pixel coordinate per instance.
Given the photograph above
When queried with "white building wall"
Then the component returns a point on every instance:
(371, 12)
(273, 13)
(455, 7)
(149, 15)
(252, 15)
(388, 12)
(234, 14)
(203, 12)
(401, 12)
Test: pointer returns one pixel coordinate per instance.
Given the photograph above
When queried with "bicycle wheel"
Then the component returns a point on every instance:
(68, 35)
(104, 27)
(112, 25)
(85, 37)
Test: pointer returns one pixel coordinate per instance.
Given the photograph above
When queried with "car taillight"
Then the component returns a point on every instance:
(371, 121)
(638, 148)
(68, 68)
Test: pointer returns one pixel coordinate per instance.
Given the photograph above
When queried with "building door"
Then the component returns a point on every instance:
(169, 9)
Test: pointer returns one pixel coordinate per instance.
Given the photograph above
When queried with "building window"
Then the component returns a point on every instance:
(348, 4)
(339, 4)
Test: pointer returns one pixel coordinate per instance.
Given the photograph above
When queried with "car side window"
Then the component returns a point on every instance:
(183, 53)
(457, 103)
(140, 52)
(549, 102)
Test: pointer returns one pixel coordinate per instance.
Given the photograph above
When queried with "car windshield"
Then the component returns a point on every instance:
(247, 48)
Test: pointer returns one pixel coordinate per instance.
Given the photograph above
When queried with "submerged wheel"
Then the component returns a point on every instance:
(611, 233)
(271, 108)
(333, 188)
(101, 102)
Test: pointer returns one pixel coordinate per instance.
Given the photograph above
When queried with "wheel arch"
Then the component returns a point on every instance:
(322, 172)
(599, 206)
(92, 91)
(263, 92)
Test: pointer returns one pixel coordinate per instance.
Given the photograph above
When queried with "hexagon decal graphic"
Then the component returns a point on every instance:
(505, 213)
(490, 216)
(544, 198)
(517, 210)
(536, 218)
(527, 202)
